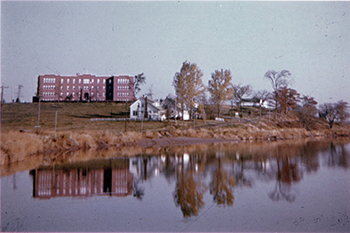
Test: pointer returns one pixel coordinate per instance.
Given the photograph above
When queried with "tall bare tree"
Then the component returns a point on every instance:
(278, 80)
(219, 87)
(188, 85)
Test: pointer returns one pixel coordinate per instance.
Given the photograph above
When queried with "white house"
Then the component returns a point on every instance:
(146, 109)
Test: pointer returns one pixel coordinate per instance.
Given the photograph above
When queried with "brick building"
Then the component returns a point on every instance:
(85, 87)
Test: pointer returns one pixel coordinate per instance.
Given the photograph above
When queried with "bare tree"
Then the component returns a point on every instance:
(239, 92)
(219, 87)
(278, 80)
(333, 112)
(188, 85)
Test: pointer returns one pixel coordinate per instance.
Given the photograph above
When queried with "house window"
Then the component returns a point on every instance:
(134, 113)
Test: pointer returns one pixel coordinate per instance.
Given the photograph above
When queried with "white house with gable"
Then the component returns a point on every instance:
(146, 109)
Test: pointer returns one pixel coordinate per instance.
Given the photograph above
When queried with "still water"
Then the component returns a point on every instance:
(277, 186)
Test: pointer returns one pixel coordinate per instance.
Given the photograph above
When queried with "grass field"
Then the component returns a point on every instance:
(70, 117)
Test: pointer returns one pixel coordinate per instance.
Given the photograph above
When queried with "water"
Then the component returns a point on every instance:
(279, 186)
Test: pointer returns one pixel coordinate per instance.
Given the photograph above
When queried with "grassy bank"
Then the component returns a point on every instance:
(76, 132)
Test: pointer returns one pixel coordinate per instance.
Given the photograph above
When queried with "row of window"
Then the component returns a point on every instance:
(123, 80)
(79, 94)
(49, 94)
(123, 87)
(48, 87)
(123, 94)
(85, 81)
(85, 88)
(49, 80)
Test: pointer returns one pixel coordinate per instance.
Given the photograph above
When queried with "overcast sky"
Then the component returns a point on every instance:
(310, 39)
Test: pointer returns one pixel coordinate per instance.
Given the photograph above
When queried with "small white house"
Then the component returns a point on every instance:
(146, 109)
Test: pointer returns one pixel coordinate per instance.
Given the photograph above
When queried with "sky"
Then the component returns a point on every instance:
(310, 39)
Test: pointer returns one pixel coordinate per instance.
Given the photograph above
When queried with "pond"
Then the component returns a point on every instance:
(266, 186)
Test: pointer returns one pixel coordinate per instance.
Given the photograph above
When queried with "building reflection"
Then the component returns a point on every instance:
(95, 178)
(195, 171)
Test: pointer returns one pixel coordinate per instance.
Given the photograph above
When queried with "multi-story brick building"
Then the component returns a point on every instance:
(85, 87)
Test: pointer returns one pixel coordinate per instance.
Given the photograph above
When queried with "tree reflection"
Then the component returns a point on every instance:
(137, 190)
(240, 177)
(188, 192)
(338, 157)
(287, 172)
(221, 186)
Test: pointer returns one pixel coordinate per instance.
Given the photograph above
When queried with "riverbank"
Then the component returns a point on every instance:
(17, 146)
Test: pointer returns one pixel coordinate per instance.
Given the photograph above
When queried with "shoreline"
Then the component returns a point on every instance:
(70, 147)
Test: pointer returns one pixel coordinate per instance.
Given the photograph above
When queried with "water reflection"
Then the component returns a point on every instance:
(216, 170)
(99, 177)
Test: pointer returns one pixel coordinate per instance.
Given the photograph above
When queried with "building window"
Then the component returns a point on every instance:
(61, 80)
(67, 80)
(79, 81)
(73, 80)
(98, 80)
(86, 81)
(104, 81)
(86, 87)
(110, 81)
(67, 88)
(73, 88)
(92, 80)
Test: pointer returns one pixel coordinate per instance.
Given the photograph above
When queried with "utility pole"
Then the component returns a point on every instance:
(56, 111)
(2, 94)
(37, 124)
(19, 93)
